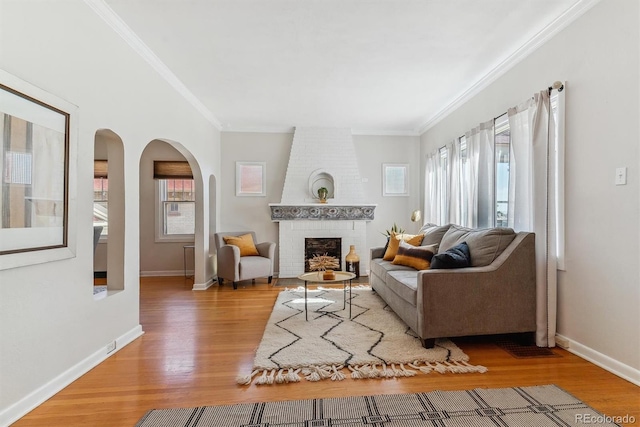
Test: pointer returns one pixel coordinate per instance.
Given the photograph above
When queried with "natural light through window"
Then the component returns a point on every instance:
(100, 204)
(177, 200)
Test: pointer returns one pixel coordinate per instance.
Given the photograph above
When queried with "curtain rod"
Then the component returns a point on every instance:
(556, 85)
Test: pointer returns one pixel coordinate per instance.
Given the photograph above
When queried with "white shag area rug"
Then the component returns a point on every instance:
(374, 343)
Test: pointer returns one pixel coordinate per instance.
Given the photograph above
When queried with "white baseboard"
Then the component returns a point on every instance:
(203, 286)
(19, 409)
(626, 372)
(165, 273)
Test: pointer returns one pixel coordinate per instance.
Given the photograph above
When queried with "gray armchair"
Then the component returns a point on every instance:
(233, 267)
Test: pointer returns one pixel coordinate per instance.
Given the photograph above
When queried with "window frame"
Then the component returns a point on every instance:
(160, 236)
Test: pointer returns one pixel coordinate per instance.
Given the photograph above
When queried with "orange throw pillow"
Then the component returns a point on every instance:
(418, 257)
(394, 243)
(244, 243)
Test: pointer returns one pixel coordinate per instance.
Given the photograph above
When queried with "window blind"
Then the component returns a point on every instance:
(167, 169)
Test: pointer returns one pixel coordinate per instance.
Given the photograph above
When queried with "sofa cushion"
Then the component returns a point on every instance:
(404, 284)
(380, 268)
(244, 243)
(394, 243)
(456, 257)
(485, 244)
(418, 257)
(433, 233)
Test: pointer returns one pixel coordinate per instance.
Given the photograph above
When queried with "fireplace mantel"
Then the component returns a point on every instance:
(321, 211)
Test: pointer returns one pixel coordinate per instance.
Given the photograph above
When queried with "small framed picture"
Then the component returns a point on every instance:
(395, 179)
(251, 179)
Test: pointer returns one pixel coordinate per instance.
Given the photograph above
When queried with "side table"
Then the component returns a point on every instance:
(316, 277)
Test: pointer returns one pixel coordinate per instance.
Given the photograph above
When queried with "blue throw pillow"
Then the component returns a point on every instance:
(456, 257)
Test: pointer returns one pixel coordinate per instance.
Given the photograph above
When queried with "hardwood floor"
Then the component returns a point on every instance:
(196, 343)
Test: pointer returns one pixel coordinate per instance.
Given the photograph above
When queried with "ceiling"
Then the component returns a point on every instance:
(375, 66)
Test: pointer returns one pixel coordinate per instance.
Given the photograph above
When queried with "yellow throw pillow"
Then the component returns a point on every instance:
(244, 243)
(394, 243)
(418, 257)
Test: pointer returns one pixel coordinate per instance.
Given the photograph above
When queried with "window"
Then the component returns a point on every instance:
(100, 204)
(178, 203)
(443, 182)
(465, 180)
(101, 195)
(502, 148)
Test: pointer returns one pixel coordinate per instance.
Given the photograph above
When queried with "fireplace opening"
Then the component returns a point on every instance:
(331, 246)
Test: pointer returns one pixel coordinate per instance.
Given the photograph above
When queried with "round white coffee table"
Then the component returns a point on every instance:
(316, 277)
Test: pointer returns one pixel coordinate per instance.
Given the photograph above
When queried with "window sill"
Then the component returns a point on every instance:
(175, 239)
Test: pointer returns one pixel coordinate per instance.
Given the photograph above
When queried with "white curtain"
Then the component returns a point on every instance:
(454, 190)
(432, 206)
(533, 200)
(480, 152)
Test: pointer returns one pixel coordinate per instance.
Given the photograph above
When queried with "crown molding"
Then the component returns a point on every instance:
(384, 132)
(104, 11)
(258, 129)
(570, 15)
(291, 129)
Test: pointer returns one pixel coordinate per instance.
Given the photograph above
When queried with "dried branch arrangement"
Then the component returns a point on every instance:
(323, 262)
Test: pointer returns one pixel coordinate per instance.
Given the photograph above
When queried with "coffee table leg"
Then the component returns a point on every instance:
(344, 294)
(349, 298)
(306, 316)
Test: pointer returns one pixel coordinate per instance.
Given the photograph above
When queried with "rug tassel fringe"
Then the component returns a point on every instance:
(334, 372)
(356, 374)
(246, 379)
(427, 369)
(267, 377)
(374, 372)
(407, 372)
(316, 373)
(337, 375)
(292, 376)
(475, 368)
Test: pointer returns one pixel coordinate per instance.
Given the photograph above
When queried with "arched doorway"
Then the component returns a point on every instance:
(109, 207)
(165, 247)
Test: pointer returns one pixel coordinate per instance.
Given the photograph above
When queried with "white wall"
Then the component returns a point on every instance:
(372, 152)
(252, 213)
(52, 329)
(598, 56)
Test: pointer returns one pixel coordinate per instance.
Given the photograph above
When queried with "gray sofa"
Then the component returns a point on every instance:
(496, 295)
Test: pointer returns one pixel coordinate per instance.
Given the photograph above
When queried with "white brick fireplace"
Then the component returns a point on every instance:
(321, 157)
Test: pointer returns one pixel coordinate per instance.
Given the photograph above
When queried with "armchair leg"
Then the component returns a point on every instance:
(428, 342)
(235, 285)
(270, 279)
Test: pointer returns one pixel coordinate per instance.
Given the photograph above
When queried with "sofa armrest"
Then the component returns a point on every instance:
(267, 249)
(498, 298)
(377, 252)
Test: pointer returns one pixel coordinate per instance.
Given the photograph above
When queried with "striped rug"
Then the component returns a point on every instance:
(546, 405)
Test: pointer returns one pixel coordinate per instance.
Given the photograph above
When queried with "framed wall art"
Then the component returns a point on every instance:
(395, 179)
(35, 136)
(251, 179)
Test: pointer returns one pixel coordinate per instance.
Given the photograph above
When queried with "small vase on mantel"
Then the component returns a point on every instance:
(352, 261)
(323, 193)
